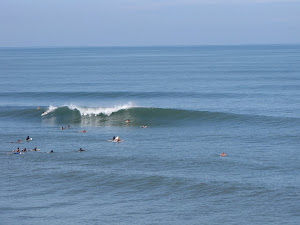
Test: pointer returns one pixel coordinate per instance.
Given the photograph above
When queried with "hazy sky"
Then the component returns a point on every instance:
(148, 22)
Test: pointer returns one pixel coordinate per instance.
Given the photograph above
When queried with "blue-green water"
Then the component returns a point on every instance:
(196, 102)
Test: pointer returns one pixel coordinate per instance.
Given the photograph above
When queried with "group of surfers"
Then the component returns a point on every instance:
(114, 139)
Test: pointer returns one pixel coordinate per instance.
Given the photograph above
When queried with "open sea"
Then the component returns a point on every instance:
(195, 101)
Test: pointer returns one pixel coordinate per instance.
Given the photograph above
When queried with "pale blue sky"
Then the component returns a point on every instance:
(148, 22)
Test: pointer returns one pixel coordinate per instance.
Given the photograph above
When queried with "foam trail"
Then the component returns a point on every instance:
(50, 109)
(101, 110)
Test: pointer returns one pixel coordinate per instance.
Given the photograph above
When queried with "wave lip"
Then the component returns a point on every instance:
(91, 111)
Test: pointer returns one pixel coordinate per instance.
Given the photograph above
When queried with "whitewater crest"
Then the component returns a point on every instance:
(90, 111)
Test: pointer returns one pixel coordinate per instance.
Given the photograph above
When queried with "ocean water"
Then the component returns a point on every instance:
(196, 101)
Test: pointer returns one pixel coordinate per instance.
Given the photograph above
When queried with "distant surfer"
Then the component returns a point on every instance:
(81, 150)
(127, 121)
(51, 151)
(24, 150)
(83, 131)
(115, 139)
(143, 126)
(35, 149)
(17, 150)
(28, 138)
(62, 128)
(223, 154)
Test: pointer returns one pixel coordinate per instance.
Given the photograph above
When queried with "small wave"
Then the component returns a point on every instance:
(116, 116)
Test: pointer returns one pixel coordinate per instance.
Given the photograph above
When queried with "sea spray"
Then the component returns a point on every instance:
(91, 111)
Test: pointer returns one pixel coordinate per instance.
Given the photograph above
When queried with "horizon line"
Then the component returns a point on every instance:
(145, 46)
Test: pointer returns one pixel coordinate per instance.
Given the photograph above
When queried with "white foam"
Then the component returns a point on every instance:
(92, 111)
(49, 110)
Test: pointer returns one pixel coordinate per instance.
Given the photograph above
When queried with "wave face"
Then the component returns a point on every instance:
(116, 116)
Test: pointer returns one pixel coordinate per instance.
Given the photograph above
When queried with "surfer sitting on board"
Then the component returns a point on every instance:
(28, 138)
(81, 150)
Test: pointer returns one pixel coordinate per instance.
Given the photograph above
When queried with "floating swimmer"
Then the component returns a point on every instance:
(223, 154)
(82, 131)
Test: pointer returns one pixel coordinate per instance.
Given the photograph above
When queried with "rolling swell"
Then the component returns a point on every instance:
(116, 116)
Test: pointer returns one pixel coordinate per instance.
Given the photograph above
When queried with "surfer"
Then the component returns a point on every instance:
(35, 149)
(24, 150)
(17, 150)
(51, 151)
(117, 139)
(81, 150)
(143, 126)
(62, 128)
(127, 121)
(83, 131)
(223, 154)
(28, 138)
